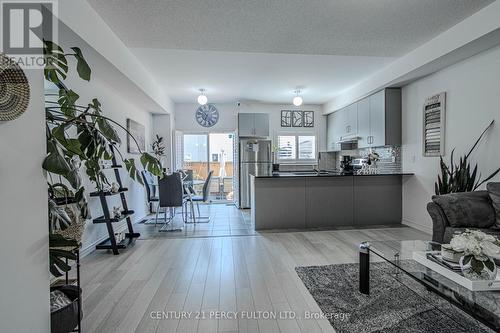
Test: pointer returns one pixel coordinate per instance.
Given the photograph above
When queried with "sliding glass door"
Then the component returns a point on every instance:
(207, 152)
(196, 155)
(221, 146)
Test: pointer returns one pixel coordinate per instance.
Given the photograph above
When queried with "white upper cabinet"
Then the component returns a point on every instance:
(333, 130)
(375, 120)
(385, 118)
(246, 124)
(351, 120)
(253, 125)
(261, 121)
(364, 122)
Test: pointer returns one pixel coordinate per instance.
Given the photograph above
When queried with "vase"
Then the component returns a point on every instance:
(478, 268)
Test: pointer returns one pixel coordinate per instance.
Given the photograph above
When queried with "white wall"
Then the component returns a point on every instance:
(162, 125)
(117, 106)
(473, 88)
(24, 240)
(228, 118)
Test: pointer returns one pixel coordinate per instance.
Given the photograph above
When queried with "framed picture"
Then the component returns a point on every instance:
(286, 118)
(308, 119)
(434, 125)
(297, 119)
(139, 133)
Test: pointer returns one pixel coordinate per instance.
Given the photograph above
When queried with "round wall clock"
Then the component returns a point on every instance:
(14, 90)
(207, 115)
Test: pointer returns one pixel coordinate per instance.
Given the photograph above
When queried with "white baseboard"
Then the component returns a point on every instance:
(91, 247)
(418, 226)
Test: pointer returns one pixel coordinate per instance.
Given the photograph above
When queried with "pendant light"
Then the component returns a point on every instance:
(297, 100)
(202, 98)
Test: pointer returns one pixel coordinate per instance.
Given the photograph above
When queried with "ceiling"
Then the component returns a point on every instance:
(261, 50)
(258, 77)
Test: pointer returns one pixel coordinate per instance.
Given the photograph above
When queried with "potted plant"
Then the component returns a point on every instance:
(275, 150)
(158, 148)
(461, 177)
(77, 135)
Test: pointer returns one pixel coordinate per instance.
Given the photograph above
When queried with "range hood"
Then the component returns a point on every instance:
(349, 139)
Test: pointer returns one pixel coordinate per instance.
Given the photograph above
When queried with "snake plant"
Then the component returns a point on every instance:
(461, 177)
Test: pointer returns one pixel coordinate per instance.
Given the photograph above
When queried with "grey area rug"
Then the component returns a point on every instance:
(392, 306)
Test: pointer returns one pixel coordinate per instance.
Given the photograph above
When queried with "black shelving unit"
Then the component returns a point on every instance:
(76, 282)
(130, 237)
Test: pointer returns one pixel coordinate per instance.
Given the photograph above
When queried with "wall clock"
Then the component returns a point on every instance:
(207, 115)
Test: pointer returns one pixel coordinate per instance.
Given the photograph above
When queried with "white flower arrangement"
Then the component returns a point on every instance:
(478, 248)
(476, 243)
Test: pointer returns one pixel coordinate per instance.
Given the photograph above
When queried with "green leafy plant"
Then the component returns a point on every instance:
(461, 177)
(158, 147)
(77, 134)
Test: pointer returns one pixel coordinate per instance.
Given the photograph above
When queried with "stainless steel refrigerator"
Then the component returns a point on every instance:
(255, 159)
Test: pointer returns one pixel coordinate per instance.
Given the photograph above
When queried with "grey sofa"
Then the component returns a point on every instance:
(456, 212)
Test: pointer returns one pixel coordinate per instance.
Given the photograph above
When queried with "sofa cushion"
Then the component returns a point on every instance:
(494, 193)
(467, 209)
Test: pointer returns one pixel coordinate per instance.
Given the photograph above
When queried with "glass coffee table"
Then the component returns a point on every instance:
(482, 305)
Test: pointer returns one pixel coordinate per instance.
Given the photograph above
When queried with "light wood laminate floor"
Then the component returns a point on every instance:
(234, 273)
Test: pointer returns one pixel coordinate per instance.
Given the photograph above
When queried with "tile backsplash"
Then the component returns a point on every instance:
(328, 161)
(390, 158)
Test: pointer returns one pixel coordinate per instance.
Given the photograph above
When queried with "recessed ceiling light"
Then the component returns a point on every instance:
(202, 98)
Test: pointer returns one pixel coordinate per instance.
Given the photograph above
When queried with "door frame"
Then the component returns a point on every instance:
(207, 134)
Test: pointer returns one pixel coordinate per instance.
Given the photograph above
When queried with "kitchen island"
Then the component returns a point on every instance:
(295, 200)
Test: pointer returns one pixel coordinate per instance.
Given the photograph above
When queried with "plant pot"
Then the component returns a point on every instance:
(66, 319)
(478, 268)
(78, 224)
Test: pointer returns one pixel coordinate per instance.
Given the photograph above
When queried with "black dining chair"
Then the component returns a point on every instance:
(151, 185)
(171, 196)
(200, 198)
(151, 188)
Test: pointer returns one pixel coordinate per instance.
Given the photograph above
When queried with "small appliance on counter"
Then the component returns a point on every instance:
(346, 164)
(358, 163)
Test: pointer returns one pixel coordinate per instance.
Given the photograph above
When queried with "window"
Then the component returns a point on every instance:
(293, 148)
(287, 147)
(307, 147)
